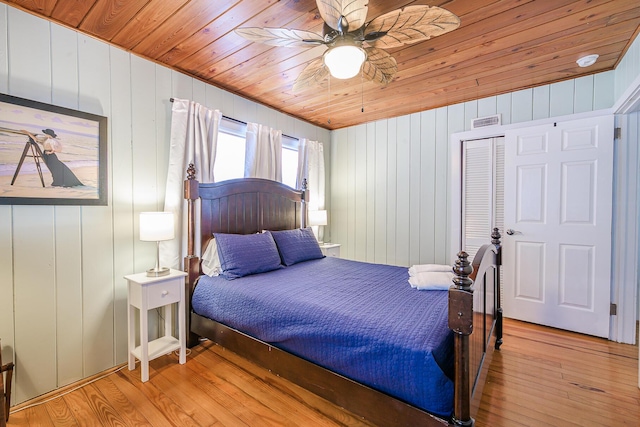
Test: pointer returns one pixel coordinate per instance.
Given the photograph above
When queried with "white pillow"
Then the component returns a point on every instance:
(210, 260)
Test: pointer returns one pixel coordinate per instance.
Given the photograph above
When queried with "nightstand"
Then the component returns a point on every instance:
(330, 249)
(146, 293)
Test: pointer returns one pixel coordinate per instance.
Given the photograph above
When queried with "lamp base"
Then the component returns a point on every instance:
(157, 272)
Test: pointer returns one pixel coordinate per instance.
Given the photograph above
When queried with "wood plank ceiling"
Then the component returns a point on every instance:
(500, 46)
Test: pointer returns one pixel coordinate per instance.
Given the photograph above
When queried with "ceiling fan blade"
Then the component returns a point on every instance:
(355, 12)
(313, 73)
(409, 25)
(379, 67)
(281, 36)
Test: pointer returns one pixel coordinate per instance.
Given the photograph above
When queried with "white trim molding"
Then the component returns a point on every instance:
(630, 99)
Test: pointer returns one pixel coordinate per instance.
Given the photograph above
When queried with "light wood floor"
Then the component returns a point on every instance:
(540, 377)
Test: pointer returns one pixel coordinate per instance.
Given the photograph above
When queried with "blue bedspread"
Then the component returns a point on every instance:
(361, 320)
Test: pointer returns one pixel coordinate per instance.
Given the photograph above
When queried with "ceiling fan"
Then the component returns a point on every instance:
(355, 45)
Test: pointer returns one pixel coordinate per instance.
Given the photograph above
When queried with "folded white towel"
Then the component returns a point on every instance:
(422, 268)
(432, 281)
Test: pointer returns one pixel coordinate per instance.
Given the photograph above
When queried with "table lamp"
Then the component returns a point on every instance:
(317, 218)
(156, 227)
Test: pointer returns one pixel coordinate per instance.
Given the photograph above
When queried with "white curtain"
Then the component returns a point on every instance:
(311, 168)
(194, 136)
(263, 158)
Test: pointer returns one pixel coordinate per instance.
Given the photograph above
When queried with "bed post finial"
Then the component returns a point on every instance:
(462, 269)
(191, 172)
(495, 236)
(461, 323)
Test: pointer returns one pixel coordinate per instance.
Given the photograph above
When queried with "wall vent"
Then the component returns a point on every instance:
(481, 122)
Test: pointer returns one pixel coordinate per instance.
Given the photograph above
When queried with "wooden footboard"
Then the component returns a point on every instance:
(472, 356)
(476, 321)
(487, 328)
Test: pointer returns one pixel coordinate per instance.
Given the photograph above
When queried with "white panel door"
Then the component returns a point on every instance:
(557, 247)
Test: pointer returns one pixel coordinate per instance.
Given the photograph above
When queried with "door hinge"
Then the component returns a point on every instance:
(613, 310)
(617, 133)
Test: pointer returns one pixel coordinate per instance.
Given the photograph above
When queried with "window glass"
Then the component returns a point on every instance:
(229, 157)
(231, 153)
(289, 166)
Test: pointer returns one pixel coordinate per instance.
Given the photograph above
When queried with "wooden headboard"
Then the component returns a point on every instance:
(249, 205)
(237, 206)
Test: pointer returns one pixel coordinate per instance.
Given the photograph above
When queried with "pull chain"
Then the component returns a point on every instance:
(362, 89)
(329, 101)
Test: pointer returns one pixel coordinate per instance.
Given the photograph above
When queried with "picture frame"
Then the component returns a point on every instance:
(51, 155)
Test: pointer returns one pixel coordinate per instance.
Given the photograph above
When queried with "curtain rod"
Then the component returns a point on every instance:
(244, 123)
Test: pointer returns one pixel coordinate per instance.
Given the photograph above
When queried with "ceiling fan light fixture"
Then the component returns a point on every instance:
(588, 60)
(353, 44)
(344, 61)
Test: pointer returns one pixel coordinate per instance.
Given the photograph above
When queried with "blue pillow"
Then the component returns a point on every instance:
(244, 254)
(297, 245)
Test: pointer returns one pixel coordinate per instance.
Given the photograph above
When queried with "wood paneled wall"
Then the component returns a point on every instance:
(62, 292)
(389, 182)
(628, 70)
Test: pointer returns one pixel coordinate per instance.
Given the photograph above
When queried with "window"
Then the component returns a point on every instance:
(231, 152)
(289, 161)
(229, 157)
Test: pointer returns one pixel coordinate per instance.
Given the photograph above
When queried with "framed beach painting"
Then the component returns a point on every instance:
(51, 155)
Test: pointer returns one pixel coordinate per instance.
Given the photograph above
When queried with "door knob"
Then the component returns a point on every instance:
(511, 232)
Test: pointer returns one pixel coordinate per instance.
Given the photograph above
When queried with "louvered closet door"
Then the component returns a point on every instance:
(498, 208)
(482, 197)
(482, 192)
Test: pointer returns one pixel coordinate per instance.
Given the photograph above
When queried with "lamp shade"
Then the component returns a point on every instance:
(344, 61)
(317, 218)
(156, 226)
